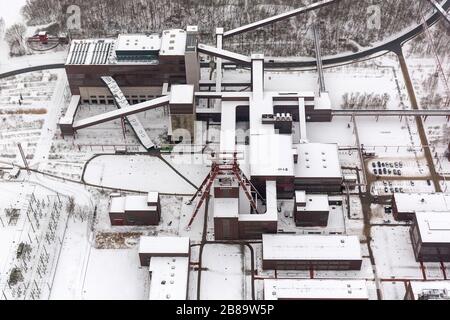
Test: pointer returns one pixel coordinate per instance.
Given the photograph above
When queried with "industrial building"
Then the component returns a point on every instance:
(428, 290)
(168, 261)
(135, 210)
(296, 289)
(311, 210)
(306, 252)
(405, 205)
(430, 236)
(165, 68)
(140, 63)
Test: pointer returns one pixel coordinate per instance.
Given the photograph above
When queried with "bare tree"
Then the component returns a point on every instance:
(15, 37)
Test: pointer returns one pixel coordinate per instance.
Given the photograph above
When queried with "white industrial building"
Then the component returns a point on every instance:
(296, 289)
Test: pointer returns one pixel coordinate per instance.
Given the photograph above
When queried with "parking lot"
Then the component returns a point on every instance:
(387, 188)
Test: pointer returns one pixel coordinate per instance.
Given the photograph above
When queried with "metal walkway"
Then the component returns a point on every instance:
(392, 113)
(133, 120)
(441, 10)
(224, 54)
(280, 17)
(116, 114)
(319, 58)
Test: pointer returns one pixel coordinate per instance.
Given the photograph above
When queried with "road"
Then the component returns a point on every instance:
(420, 127)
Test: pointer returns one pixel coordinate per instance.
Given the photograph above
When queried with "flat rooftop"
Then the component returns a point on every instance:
(226, 207)
(169, 278)
(138, 203)
(310, 247)
(117, 205)
(412, 202)
(173, 42)
(434, 227)
(138, 42)
(103, 51)
(164, 246)
(315, 202)
(295, 289)
(421, 287)
(318, 160)
(271, 155)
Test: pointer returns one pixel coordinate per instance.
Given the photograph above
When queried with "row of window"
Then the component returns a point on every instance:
(109, 100)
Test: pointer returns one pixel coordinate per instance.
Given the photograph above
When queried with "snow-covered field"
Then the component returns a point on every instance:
(139, 173)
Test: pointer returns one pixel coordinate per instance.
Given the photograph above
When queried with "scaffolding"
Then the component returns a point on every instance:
(225, 164)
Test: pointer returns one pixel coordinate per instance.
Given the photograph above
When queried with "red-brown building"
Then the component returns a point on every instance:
(405, 205)
(135, 210)
(311, 210)
(167, 259)
(306, 289)
(430, 236)
(306, 252)
(428, 290)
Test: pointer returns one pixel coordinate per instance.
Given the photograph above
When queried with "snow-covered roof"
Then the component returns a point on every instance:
(226, 207)
(138, 42)
(315, 202)
(71, 110)
(285, 289)
(310, 247)
(425, 287)
(90, 51)
(318, 160)
(173, 42)
(323, 102)
(152, 197)
(169, 278)
(434, 227)
(138, 203)
(412, 202)
(117, 205)
(164, 246)
(271, 155)
(182, 94)
(300, 197)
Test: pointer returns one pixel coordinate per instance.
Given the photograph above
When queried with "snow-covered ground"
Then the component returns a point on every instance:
(140, 173)
(394, 255)
(229, 276)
